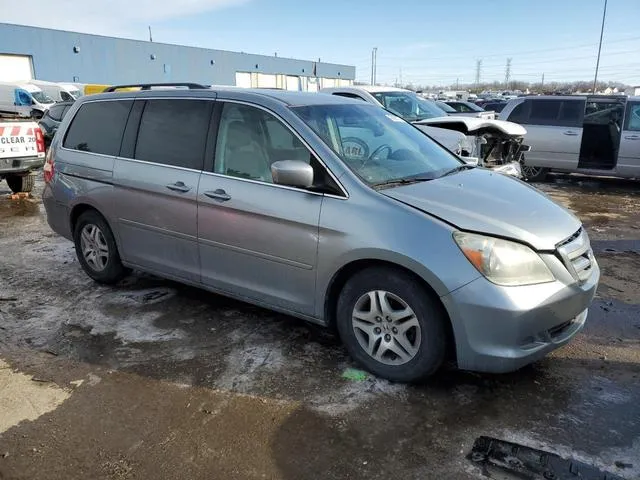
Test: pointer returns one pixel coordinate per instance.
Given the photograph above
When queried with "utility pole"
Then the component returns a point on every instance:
(507, 73)
(595, 79)
(457, 84)
(542, 84)
(150, 37)
(375, 65)
(478, 72)
(374, 61)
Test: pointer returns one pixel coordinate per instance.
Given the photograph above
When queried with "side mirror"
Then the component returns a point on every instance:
(294, 173)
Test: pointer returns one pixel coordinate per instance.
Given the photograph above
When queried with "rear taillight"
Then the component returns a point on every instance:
(49, 168)
(39, 140)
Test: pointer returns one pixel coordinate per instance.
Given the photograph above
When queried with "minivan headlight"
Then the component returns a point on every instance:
(503, 262)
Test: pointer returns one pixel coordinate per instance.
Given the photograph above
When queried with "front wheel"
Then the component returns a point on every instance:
(533, 174)
(391, 325)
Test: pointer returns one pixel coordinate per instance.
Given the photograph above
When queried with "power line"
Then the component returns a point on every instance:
(565, 48)
(526, 63)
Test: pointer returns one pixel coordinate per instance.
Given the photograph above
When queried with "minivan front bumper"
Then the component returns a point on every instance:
(501, 329)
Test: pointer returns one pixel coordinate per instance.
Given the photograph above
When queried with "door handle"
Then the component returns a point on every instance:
(632, 137)
(178, 187)
(218, 194)
(570, 133)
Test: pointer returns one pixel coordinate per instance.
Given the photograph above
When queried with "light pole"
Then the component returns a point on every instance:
(595, 79)
(374, 62)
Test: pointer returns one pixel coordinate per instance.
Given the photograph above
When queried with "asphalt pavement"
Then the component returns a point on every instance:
(153, 379)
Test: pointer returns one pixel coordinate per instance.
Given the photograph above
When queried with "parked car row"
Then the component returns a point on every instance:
(295, 201)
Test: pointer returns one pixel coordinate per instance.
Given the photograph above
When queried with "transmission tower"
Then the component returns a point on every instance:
(507, 73)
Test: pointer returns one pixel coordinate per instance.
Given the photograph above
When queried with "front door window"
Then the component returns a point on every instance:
(633, 117)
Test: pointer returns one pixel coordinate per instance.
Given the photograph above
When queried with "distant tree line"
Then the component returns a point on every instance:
(535, 87)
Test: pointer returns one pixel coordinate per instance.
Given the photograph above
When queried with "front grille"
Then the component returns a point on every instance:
(576, 254)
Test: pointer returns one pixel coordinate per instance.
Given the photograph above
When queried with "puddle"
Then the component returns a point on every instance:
(24, 207)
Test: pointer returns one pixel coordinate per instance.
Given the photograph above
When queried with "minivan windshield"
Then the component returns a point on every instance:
(378, 146)
(408, 105)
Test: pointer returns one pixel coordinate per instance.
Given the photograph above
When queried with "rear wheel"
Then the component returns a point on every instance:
(21, 183)
(96, 249)
(391, 325)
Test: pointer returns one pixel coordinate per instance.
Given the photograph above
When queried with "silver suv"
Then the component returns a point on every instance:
(328, 209)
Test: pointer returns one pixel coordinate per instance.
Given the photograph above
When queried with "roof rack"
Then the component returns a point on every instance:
(149, 86)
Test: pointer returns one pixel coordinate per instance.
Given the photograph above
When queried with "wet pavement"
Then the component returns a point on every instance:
(153, 379)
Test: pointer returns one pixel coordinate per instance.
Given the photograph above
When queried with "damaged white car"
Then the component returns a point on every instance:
(488, 143)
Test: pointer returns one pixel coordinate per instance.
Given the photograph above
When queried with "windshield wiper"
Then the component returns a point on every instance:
(403, 181)
(459, 168)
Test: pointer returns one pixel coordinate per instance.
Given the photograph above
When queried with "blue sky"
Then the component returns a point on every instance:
(422, 41)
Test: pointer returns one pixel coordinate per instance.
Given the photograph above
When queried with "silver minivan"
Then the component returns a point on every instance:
(328, 209)
(593, 135)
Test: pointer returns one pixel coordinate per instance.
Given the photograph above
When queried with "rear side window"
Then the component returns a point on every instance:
(544, 112)
(98, 127)
(174, 132)
(56, 112)
(571, 113)
(520, 114)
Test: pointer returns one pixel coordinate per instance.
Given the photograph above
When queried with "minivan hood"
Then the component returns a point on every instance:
(487, 202)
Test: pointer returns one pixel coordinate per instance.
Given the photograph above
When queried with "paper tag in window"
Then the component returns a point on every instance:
(393, 117)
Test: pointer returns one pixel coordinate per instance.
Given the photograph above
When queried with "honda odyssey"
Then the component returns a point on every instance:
(328, 209)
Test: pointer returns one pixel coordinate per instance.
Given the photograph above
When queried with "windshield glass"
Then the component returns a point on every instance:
(42, 97)
(378, 146)
(473, 106)
(446, 108)
(409, 106)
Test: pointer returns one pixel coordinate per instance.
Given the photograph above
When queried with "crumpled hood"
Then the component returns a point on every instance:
(482, 201)
(469, 125)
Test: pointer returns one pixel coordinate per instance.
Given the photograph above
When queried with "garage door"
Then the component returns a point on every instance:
(243, 79)
(15, 67)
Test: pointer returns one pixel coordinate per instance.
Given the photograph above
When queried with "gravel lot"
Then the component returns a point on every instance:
(153, 379)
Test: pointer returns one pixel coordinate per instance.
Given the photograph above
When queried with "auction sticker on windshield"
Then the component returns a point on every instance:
(355, 148)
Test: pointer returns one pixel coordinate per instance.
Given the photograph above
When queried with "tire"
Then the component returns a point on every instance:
(21, 183)
(534, 174)
(102, 263)
(426, 337)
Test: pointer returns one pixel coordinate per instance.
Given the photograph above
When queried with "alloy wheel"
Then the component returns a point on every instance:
(94, 247)
(386, 327)
(531, 172)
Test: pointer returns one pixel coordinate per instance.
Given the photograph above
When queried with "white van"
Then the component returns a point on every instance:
(24, 100)
(60, 92)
